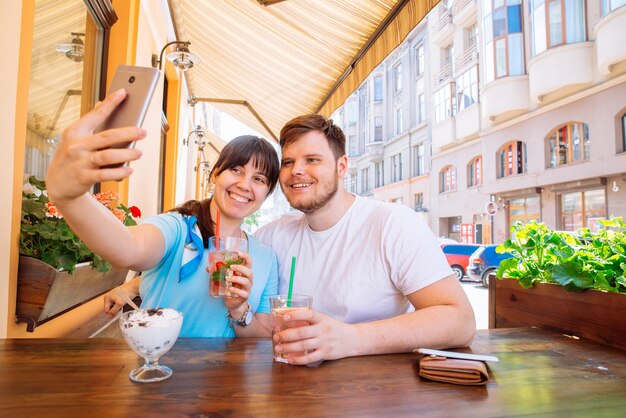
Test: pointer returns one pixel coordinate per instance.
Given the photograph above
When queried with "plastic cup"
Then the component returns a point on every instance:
(280, 305)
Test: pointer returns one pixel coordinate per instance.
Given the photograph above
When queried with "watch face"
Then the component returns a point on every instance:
(248, 318)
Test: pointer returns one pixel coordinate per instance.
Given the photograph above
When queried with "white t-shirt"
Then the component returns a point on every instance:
(360, 269)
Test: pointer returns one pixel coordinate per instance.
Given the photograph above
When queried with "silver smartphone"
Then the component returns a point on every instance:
(139, 83)
(453, 354)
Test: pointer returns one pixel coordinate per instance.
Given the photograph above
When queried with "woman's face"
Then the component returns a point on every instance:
(240, 191)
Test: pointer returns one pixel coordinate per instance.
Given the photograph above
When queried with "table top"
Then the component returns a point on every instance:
(540, 373)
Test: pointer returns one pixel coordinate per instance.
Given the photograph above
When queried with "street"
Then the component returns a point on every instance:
(479, 298)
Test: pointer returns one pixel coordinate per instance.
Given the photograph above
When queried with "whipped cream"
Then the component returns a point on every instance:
(151, 332)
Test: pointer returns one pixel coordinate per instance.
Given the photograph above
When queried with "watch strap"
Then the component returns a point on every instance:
(241, 322)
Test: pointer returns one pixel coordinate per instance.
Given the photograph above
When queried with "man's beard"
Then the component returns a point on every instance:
(329, 190)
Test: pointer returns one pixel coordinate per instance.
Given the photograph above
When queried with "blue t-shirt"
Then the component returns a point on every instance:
(203, 315)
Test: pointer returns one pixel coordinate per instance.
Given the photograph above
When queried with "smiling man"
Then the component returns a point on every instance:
(379, 281)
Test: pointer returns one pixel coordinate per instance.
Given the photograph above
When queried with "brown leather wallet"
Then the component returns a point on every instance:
(460, 372)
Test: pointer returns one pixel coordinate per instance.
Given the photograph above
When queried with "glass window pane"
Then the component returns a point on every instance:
(489, 62)
(576, 141)
(623, 133)
(501, 57)
(499, 22)
(498, 3)
(575, 21)
(488, 29)
(586, 140)
(556, 23)
(539, 30)
(552, 150)
(516, 54)
(514, 15)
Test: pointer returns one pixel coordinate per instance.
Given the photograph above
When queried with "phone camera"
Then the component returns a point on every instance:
(131, 79)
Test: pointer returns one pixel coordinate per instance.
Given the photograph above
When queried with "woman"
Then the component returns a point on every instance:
(244, 175)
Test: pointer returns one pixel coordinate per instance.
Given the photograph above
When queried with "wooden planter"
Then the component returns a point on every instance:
(44, 292)
(595, 315)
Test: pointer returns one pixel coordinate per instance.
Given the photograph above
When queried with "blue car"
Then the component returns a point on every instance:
(483, 262)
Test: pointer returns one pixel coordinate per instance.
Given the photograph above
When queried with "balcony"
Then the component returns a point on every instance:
(374, 152)
(444, 134)
(505, 97)
(463, 10)
(561, 71)
(444, 74)
(610, 45)
(443, 28)
(468, 122)
(469, 58)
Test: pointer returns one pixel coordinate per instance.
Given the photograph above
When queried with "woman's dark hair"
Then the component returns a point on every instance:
(236, 153)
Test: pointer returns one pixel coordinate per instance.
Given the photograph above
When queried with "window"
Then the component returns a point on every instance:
(64, 80)
(419, 60)
(448, 58)
(352, 109)
(421, 108)
(524, 209)
(621, 132)
(379, 174)
(378, 128)
(567, 144)
(419, 202)
(378, 88)
(582, 209)
(556, 22)
(365, 180)
(397, 78)
(504, 40)
(511, 159)
(447, 179)
(445, 102)
(396, 167)
(467, 88)
(471, 35)
(352, 146)
(475, 172)
(418, 160)
(398, 118)
(609, 5)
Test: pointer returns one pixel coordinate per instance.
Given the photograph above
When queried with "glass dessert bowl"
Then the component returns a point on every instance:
(151, 333)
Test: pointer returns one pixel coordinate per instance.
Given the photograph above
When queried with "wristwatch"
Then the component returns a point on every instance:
(245, 319)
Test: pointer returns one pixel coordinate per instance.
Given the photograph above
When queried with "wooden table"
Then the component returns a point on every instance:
(539, 373)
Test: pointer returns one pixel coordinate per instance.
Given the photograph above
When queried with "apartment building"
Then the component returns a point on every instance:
(524, 118)
(386, 125)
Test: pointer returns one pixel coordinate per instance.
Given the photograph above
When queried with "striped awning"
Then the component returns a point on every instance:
(282, 59)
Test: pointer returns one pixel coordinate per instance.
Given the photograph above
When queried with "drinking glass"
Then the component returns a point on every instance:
(151, 333)
(223, 253)
(280, 305)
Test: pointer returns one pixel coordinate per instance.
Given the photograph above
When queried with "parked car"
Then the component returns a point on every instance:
(483, 262)
(458, 257)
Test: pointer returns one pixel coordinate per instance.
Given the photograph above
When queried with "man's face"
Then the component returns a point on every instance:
(308, 172)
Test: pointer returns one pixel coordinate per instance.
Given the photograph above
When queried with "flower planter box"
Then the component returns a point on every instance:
(591, 314)
(44, 292)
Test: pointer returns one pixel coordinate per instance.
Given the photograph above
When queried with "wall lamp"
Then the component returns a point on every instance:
(181, 58)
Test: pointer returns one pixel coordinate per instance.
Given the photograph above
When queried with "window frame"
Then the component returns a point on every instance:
(518, 149)
(447, 179)
(569, 146)
(475, 171)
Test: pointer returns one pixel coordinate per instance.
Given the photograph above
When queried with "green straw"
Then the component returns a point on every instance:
(293, 270)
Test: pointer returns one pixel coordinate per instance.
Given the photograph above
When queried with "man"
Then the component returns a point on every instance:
(379, 281)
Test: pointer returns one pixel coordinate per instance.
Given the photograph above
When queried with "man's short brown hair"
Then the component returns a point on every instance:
(304, 124)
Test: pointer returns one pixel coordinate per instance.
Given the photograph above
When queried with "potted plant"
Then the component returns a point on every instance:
(56, 270)
(573, 282)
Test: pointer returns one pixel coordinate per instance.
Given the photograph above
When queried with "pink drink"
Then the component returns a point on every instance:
(223, 253)
(279, 324)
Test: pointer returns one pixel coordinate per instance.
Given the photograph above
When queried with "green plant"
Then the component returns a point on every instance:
(45, 235)
(577, 261)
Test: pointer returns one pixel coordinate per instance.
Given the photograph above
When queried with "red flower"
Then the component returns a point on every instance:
(135, 212)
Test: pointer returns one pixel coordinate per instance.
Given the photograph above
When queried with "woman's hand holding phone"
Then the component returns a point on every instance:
(82, 155)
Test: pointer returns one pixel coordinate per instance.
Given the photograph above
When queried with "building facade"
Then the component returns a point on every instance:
(524, 118)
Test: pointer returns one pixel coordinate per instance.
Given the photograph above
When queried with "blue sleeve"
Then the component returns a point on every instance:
(271, 287)
(170, 225)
